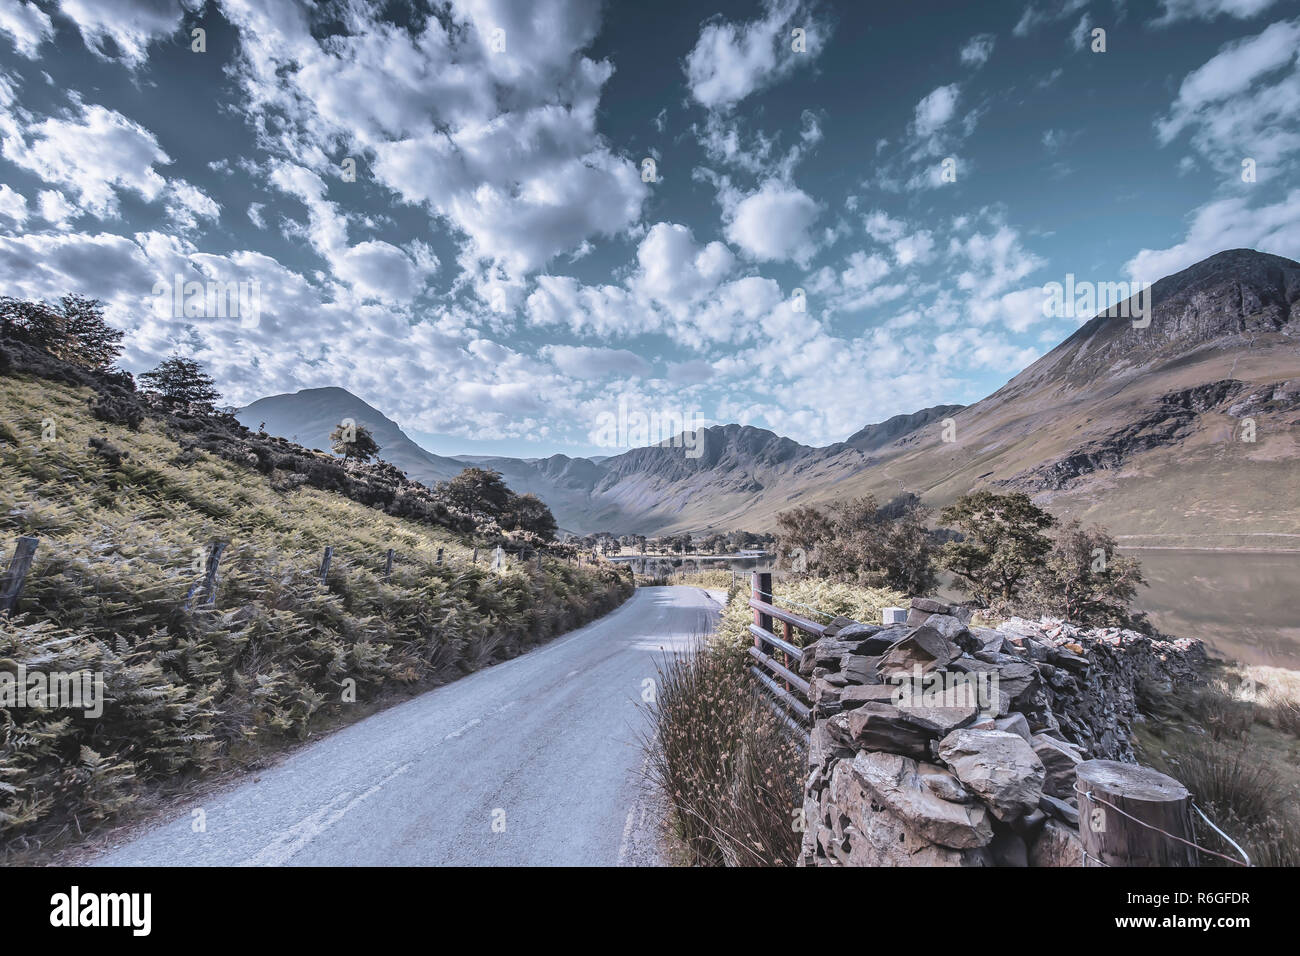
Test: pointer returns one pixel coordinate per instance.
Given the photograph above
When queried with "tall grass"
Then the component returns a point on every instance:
(1237, 757)
(731, 770)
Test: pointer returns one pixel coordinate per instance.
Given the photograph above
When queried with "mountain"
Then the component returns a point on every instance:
(308, 417)
(1137, 428)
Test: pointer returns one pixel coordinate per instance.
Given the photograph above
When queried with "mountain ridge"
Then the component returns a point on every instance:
(1081, 428)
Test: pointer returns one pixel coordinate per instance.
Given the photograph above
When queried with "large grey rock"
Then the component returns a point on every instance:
(860, 669)
(882, 726)
(998, 766)
(1015, 724)
(855, 695)
(857, 831)
(894, 782)
(924, 647)
(1059, 759)
(1057, 845)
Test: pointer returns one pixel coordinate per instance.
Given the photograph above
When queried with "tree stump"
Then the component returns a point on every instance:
(1147, 795)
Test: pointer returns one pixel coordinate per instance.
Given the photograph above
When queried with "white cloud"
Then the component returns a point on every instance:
(131, 25)
(1174, 10)
(13, 205)
(93, 153)
(1243, 101)
(772, 224)
(586, 362)
(978, 49)
(503, 146)
(936, 109)
(28, 26)
(674, 271)
(730, 61)
(1226, 224)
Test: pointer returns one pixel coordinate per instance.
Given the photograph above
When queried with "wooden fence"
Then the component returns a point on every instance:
(776, 659)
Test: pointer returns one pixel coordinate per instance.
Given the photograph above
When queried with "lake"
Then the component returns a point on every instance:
(1244, 604)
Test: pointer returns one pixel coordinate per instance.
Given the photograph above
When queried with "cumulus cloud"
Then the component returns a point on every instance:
(27, 25)
(125, 26)
(730, 61)
(1231, 223)
(772, 224)
(13, 205)
(1175, 10)
(93, 153)
(1243, 101)
(588, 362)
(500, 144)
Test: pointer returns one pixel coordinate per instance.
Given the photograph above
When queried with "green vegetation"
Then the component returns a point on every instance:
(1007, 559)
(353, 442)
(858, 542)
(125, 505)
(832, 598)
(181, 383)
(1235, 744)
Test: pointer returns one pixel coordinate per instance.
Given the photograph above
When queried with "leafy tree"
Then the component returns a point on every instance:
(480, 492)
(529, 513)
(74, 330)
(353, 441)
(87, 339)
(857, 542)
(1084, 578)
(1002, 547)
(182, 382)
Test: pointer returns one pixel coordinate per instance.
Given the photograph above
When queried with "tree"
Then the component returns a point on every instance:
(87, 339)
(74, 331)
(857, 542)
(1002, 545)
(182, 382)
(1084, 579)
(529, 513)
(480, 492)
(353, 441)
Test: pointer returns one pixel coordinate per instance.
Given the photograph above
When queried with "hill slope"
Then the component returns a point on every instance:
(308, 416)
(125, 516)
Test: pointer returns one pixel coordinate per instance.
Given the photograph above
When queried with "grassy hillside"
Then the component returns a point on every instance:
(193, 692)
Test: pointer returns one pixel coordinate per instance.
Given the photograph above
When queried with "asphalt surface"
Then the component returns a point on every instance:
(535, 761)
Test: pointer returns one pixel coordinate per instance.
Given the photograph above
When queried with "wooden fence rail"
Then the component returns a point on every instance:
(776, 659)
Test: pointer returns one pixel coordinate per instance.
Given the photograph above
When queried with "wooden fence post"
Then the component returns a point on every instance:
(1116, 800)
(475, 558)
(325, 564)
(11, 586)
(205, 588)
(761, 590)
(388, 565)
(439, 558)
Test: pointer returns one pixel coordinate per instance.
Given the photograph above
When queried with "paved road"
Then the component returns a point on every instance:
(545, 746)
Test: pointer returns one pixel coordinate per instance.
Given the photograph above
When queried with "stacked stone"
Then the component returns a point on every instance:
(910, 766)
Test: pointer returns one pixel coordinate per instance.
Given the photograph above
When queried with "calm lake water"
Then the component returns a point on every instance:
(1243, 604)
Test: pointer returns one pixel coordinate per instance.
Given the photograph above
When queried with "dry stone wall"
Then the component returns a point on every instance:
(936, 743)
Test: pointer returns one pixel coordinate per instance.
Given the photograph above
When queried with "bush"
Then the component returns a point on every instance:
(730, 769)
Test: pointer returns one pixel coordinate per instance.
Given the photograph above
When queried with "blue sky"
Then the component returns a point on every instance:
(500, 272)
